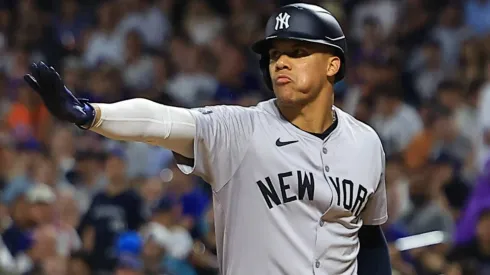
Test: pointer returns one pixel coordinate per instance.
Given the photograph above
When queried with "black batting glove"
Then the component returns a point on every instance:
(58, 99)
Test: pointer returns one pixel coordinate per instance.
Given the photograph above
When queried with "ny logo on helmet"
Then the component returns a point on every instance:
(282, 21)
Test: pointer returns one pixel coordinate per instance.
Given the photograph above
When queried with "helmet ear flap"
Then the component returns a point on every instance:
(264, 67)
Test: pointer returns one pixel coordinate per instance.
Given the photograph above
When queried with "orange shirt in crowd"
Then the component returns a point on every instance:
(33, 120)
(418, 151)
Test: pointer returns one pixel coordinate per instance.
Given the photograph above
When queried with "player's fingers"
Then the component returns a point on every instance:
(46, 77)
(32, 82)
(34, 71)
(54, 72)
(42, 66)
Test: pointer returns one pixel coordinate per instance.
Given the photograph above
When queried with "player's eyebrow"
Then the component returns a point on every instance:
(300, 45)
(285, 47)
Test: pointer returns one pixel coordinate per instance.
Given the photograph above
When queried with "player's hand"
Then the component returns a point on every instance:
(60, 102)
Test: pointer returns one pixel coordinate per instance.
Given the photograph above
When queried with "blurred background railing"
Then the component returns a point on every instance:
(75, 203)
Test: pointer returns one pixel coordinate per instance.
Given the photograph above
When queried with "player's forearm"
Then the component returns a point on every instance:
(145, 121)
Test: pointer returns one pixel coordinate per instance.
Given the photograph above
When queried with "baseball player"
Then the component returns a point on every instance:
(298, 183)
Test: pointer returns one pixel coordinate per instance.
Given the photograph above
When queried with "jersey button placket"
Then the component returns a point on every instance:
(325, 151)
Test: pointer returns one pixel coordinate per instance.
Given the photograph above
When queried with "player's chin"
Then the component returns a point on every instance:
(288, 95)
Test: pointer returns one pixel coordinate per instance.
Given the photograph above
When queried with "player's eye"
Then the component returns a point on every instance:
(299, 52)
(274, 54)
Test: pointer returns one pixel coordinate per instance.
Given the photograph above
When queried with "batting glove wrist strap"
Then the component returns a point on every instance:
(90, 111)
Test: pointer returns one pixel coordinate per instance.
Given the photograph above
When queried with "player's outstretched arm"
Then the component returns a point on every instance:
(146, 121)
(130, 120)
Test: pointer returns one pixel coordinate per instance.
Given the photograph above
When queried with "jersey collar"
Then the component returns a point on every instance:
(333, 129)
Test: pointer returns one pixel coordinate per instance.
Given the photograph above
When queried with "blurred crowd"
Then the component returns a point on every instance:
(73, 202)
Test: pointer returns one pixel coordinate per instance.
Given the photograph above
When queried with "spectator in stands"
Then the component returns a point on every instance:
(440, 136)
(476, 11)
(191, 83)
(201, 22)
(28, 116)
(86, 177)
(68, 219)
(368, 44)
(54, 266)
(395, 192)
(28, 237)
(395, 121)
(61, 151)
(468, 115)
(450, 94)
(105, 43)
(483, 146)
(168, 244)
(235, 82)
(387, 12)
(472, 60)
(451, 32)
(79, 264)
(448, 138)
(43, 254)
(425, 214)
(474, 257)
(114, 210)
(70, 25)
(456, 194)
(193, 53)
(192, 196)
(429, 72)
(478, 201)
(129, 265)
(138, 66)
(151, 190)
(148, 20)
(204, 254)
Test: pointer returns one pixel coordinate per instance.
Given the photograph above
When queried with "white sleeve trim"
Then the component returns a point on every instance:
(378, 221)
(189, 168)
(146, 121)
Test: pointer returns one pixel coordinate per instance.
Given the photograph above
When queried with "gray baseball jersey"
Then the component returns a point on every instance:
(285, 201)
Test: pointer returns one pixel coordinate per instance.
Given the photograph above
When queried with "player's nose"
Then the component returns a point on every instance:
(283, 62)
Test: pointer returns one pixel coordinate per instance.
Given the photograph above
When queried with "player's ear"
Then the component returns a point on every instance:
(333, 66)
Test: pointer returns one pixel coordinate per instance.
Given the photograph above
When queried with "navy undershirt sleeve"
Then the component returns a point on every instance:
(373, 257)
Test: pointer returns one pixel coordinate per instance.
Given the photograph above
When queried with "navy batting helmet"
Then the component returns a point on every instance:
(302, 22)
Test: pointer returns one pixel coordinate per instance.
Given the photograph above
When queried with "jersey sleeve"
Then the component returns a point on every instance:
(220, 143)
(376, 212)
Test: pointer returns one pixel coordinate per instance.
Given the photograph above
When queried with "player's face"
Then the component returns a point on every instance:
(300, 70)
